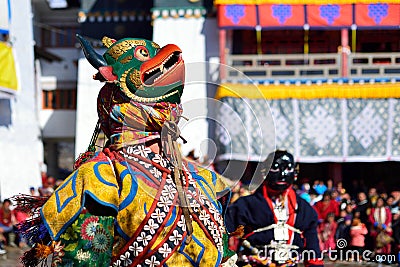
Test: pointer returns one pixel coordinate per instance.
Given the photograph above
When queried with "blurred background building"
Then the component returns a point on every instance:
(328, 74)
(21, 156)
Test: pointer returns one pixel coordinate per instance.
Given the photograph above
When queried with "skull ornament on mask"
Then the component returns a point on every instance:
(144, 72)
(282, 173)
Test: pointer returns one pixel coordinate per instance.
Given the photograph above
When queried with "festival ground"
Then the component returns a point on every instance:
(11, 259)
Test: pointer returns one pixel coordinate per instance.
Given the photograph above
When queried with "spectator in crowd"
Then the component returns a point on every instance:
(326, 206)
(20, 217)
(389, 202)
(340, 189)
(373, 196)
(7, 220)
(362, 206)
(335, 196)
(358, 231)
(350, 208)
(345, 202)
(343, 226)
(315, 183)
(320, 188)
(48, 187)
(44, 175)
(33, 191)
(305, 188)
(329, 186)
(314, 197)
(326, 232)
(396, 196)
(396, 232)
(380, 220)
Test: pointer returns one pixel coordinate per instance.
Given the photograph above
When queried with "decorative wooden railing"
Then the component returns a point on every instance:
(374, 65)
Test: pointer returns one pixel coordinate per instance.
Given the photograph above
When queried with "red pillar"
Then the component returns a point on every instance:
(345, 52)
(222, 48)
(335, 172)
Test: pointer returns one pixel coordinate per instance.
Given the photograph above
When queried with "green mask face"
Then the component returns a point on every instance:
(143, 71)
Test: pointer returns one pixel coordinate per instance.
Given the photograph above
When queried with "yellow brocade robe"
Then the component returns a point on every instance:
(136, 187)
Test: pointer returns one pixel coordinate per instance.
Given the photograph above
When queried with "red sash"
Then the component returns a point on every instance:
(289, 199)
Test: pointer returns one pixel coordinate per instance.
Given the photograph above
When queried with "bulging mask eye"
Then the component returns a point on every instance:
(274, 167)
(142, 53)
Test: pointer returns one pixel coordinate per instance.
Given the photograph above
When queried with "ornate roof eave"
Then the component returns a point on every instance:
(178, 12)
(114, 16)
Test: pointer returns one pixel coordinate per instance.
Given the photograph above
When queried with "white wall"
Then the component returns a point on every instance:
(86, 108)
(192, 35)
(57, 123)
(21, 148)
(65, 70)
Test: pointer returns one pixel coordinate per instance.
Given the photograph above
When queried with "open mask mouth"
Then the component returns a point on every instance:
(164, 69)
(156, 74)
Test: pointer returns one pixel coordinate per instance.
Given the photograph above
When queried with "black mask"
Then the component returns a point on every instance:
(281, 174)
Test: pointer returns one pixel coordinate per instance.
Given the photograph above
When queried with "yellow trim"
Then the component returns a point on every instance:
(301, 2)
(8, 73)
(314, 91)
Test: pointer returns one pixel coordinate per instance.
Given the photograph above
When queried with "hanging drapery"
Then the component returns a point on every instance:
(291, 16)
(329, 15)
(237, 16)
(8, 75)
(338, 15)
(322, 129)
(378, 15)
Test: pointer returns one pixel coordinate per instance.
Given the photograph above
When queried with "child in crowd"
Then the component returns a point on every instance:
(358, 231)
(327, 232)
(343, 226)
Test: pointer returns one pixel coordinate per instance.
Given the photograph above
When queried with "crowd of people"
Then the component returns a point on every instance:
(10, 218)
(369, 220)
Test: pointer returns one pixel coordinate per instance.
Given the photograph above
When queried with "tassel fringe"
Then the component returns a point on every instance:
(34, 230)
(37, 255)
(29, 204)
(29, 258)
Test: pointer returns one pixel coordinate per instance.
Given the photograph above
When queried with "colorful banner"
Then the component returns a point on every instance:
(8, 75)
(374, 15)
(330, 15)
(318, 130)
(380, 14)
(237, 16)
(300, 2)
(5, 16)
(312, 91)
(281, 15)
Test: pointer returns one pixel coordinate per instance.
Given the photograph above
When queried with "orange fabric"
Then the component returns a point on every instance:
(315, 17)
(268, 19)
(364, 19)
